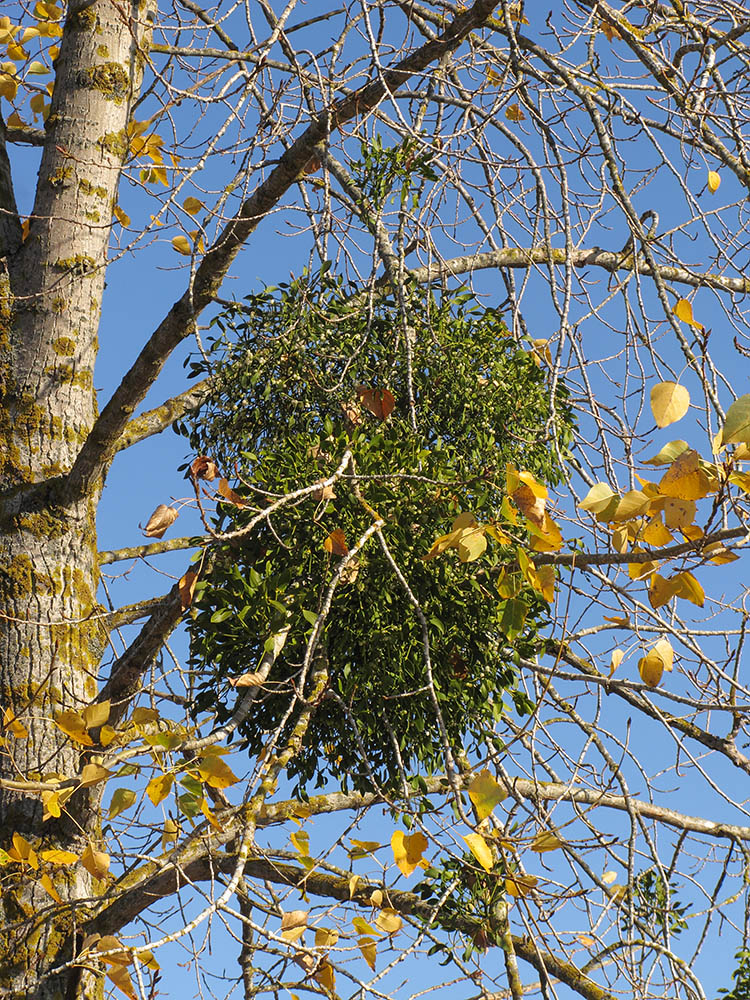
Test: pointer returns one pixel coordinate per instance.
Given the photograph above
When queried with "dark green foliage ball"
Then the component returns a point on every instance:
(300, 370)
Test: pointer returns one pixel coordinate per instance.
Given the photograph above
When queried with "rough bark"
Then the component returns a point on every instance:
(51, 636)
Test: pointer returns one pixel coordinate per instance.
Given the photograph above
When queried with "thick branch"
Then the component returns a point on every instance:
(128, 669)
(10, 225)
(150, 549)
(101, 443)
(329, 886)
(582, 559)
(161, 417)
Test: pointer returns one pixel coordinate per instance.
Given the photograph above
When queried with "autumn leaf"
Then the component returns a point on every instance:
(389, 921)
(159, 787)
(685, 479)
(71, 723)
(678, 514)
(668, 453)
(669, 402)
(335, 543)
(122, 799)
(465, 535)
(96, 714)
(545, 840)
(325, 976)
(226, 491)
(160, 520)
(481, 850)
(55, 857)
(204, 467)
(361, 926)
(661, 591)
(714, 180)
(215, 772)
(600, 501)
(94, 774)
(325, 938)
(379, 402)
(520, 885)
(408, 850)
(46, 882)
(485, 793)
(683, 310)
(736, 428)
(193, 205)
(95, 862)
(368, 947)
(301, 841)
(182, 245)
(186, 588)
(293, 924)
(514, 113)
(16, 728)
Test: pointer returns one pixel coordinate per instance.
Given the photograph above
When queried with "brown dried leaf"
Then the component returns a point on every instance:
(226, 491)
(160, 520)
(187, 588)
(203, 467)
(336, 543)
(379, 402)
(248, 680)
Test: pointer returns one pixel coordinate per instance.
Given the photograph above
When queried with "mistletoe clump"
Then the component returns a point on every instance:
(420, 405)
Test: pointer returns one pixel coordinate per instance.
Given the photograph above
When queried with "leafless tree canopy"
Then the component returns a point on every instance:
(583, 171)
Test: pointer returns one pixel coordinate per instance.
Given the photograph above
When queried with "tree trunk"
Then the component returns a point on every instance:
(51, 638)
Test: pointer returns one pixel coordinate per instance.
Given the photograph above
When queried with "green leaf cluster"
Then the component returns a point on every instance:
(291, 365)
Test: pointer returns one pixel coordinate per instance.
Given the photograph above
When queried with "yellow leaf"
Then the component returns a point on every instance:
(325, 976)
(37, 68)
(369, 951)
(520, 885)
(633, 504)
(15, 727)
(678, 513)
(661, 591)
(639, 570)
(615, 660)
(353, 885)
(663, 648)
(668, 453)
(720, 554)
(22, 851)
(325, 938)
(736, 428)
(600, 500)
(669, 402)
(71, 723)
(609, 877)
(514, 113)
(93, 774)
(485, 793)
(481, 850)
(95, 862)
(122, 799)
(651, 668)
(688, 588)
(547, 536)
(684, 311)
(685, 479)
(545, 841)
(713, 181)
(46, 882)
(389, 920)
(170, 833)
(192, 205)
(376, 897)
(55, 857)
(29, 33)
(106, 735)
(216, 773)
(182, 245)
(121, 978)
(655, 533)
(301, 841)
(121, 216)
(96, 715)
(293, 924)
(159, 787)
(363, 847)
(361, 926)
(408, 850)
